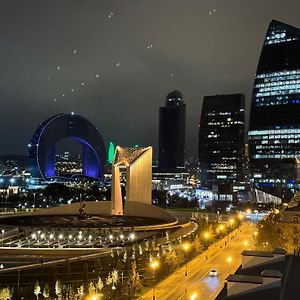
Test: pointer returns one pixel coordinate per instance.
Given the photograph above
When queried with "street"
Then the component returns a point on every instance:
(179, 286)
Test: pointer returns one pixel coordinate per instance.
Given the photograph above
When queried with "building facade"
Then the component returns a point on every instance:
(274, 129)
(172, 132)
(221, 139)
(42, 147)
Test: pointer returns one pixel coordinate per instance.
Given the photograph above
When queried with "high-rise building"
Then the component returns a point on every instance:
(111, 153)
(221, 139)
(274, 130)
(172, 132)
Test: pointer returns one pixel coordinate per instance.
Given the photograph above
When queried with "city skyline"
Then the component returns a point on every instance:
(99, 58)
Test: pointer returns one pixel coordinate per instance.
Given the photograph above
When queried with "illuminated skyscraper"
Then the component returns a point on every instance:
(221, 139)
(274, 131)
(111, 153)
(172, 132)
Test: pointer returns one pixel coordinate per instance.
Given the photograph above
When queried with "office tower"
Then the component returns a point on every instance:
(111, 153)
(274, 130)
(221, 139)
(172, 132)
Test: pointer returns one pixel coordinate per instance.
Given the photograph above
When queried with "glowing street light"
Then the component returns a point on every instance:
(186, 247)
(154, 264)
(221, 227)
(229, 260)
(193, 296)
(206, 237)
(246, 243)
(240, 216)
(248, 211)
(132, 236)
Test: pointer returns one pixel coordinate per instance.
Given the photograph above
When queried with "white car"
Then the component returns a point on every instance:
(213, 273)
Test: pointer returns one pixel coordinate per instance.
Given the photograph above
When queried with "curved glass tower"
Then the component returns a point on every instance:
(274, 130)
(41, 149)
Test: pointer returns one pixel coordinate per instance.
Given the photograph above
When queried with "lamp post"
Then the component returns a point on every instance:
(255, 234)
(154, 264)
(186, 247)
(229, 260)
(206, 237)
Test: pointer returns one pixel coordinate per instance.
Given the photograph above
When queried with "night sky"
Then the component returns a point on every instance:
(114, 61)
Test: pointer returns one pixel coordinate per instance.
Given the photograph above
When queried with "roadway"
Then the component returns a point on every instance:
(179, 286)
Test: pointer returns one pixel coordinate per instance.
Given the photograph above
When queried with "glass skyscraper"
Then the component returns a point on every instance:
(222, 140)
(172, 132)
(274, 129)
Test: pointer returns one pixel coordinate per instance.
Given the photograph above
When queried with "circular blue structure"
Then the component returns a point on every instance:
(41, 149)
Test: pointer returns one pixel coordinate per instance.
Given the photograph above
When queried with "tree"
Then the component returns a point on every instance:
(170, 259)
(80, 292)
(72, 294)
(134, 279)
(58, 289)
(46, 291)
(109, 280)
(5, 293)
(99, 285)
(37, 289)
(92, 288)
(269, 237)
(115, 277)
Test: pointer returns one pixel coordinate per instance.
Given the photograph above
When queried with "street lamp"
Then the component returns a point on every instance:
(186, 247)
(206, 237)
(255, 234)
(229, 260)
(193, 296)
(154, 264)
(240, 216)
(231, 221)
(246, 243)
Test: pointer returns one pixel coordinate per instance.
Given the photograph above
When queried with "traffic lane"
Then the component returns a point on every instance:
(198, 279)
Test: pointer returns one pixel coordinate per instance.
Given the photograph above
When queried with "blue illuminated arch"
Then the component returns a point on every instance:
(41, 149)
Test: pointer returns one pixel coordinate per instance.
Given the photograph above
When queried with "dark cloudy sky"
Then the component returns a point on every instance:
(141, 49)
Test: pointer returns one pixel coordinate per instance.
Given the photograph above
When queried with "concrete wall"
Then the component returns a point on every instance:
(139, 179)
